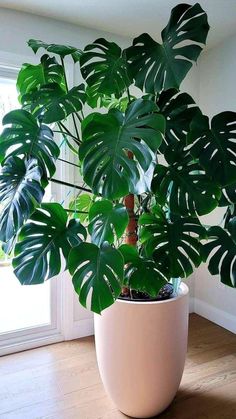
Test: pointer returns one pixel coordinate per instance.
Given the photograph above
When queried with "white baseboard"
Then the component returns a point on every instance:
(81, 329)
(191, 305)
(220, 317)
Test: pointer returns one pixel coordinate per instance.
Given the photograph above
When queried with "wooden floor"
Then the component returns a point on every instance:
(61, 381)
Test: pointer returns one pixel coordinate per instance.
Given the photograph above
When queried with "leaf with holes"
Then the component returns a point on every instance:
(142, 274)
(107, 221)
(33, 77)
(20, 193)
(103, 66)
(62, 50)
(221, 253)
(99, 271)
(106, 139)
(41, 242)
(215, 146)
(156, 67)
(25, 136)
(52, 103)
(186, 188)
(175, 246)
(179, 109)
(228, 196)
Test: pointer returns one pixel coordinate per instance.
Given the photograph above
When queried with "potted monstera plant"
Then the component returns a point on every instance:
(152, 164)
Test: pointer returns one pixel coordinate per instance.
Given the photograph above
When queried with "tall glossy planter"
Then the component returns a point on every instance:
(141, 349)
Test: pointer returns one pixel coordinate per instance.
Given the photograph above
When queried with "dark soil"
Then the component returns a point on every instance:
(165, 293)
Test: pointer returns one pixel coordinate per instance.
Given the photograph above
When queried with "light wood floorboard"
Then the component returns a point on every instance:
(61, 381)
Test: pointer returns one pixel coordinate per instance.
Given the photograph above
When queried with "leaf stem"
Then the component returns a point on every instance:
(128, 94)
(69, 162)
(68, 132)
(79, 212)
(67, 89)
(61, 182)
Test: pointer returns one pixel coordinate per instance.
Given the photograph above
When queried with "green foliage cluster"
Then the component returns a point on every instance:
(183, 166)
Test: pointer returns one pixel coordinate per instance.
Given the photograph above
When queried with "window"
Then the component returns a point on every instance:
(23, 309)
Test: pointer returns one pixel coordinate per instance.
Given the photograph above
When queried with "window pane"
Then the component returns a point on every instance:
(8, 97)
(21, 307)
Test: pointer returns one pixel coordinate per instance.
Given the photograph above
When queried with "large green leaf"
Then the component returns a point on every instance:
(106, 221)
(156, 67)
(179, 109)
(27, 137)
(215, 146)
(33, 77)
(142, 274)
(174, 245)
(106, 140)
(186, 188)
(99, 271)
(228, 196)
(221, 249)
(53, 103)
(104, 68)
(62, 50)
(41, 241)
(20, 192)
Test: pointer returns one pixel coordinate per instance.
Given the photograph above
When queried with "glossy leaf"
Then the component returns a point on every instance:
(142, 274)
(215, 146)
(221, 253)
(53, 103)
(156, 67)
(107, 221)
(62, 50)
(186, 188)
(41, 242)
(103, 66)
(106, 140)
(20, 193)
(33, 77)
(175, 246)
(179, 109)
(228, 196)
(25, 136)
(98, 271)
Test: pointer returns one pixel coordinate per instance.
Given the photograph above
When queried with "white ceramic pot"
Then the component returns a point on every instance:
(141, 349)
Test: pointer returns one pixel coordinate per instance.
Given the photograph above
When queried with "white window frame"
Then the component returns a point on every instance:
(30, 337)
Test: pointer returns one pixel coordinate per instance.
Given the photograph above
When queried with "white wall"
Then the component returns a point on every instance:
(217, 93)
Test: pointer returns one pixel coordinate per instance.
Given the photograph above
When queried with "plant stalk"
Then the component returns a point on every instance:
(61, 182)
(131, 237)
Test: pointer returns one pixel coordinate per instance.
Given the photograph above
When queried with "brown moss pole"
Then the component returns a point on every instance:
(131, 230)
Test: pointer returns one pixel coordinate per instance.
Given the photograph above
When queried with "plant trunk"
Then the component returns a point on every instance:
(131, 230)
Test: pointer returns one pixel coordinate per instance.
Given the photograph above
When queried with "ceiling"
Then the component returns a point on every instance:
(129, 17)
